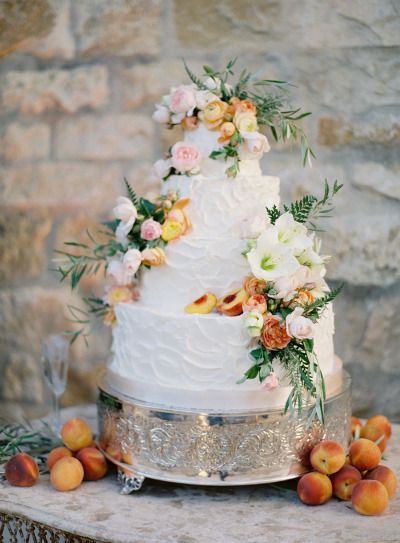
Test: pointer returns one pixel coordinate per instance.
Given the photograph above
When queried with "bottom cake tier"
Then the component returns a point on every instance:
(207, 448)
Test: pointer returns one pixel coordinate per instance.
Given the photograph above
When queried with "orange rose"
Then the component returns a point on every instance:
(254, 286)
(213, 114)
(227, 131)
(302, 298)
(274, 335)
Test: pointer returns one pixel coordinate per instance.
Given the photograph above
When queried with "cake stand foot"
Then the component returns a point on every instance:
(129, 482)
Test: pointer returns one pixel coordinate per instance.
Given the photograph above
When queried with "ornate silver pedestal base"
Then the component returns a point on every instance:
(224, 448)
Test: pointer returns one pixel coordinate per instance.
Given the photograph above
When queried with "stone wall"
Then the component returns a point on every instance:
(77, 85)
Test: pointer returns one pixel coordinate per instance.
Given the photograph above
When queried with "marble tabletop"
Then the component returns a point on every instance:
(170, 513)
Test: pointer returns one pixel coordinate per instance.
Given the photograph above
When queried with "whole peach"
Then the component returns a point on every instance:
(76, 434)
(93, 462)
(67, 474)
(386, 476)
(328, 457)
(344, 480)
(369, 497)
(56, 454)
(314, 488)
(364, 454)
(22, 470)
(114, 451)
(383, 423)
(376, 434)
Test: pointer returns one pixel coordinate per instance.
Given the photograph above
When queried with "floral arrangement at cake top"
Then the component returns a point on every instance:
(135, 240)
(238, 112)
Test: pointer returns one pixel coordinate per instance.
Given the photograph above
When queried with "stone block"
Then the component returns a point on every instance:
(66, 90)
(112, 137)
(22, 244)
(336, 131)
(377, 178)
(30, 142)
(61, 186)
(119, 27)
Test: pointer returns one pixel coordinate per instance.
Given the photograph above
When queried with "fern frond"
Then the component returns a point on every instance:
(301, 209)
(131, 193)
(315, 307)
(273, 213)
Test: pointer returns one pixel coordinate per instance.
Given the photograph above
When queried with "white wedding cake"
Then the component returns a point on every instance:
(216, 293)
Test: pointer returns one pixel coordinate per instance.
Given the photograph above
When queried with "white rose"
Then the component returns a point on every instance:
(161, 114)
(254, 323)
(285, 288)
(117, 271)
(161, 168)
(132, 260)
(298, 326)
(256, 143)
(126, 212)
(253, 227)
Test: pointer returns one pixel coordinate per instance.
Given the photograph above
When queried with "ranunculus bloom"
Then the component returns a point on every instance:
(171, 230)
(213, 114)
(185, 157)
(243, 106)
(153, 257)
(253, 322)
(245, 122)
(183, 99)
(119, 295)
(256, 303)
(270, 382)
(252, 285)
(150, 230)
(227, 131)
(256, 143)
(132, 260)
(274, 335)
(161, 168)
(298, 326)
(161, 114)
(302, 298)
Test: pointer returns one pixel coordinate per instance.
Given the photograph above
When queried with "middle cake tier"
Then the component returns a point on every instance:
(209, 257)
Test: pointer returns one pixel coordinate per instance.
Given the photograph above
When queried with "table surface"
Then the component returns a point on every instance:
(170, 513)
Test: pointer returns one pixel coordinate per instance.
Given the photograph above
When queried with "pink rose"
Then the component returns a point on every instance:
(298, 326)
(185, 157)
(150, 230)
(270, 382)
(182, 99)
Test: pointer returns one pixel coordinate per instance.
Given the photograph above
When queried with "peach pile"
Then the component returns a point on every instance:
(231, 304)
(78, 460)
(358, 477)
(22, 470)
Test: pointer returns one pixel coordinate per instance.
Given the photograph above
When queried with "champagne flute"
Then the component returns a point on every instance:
(55, 367)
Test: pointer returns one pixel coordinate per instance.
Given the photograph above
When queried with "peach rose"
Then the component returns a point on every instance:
(182, 99)
(253, 285)
(256, 303)
(185, 157)
(274, 335)
(150, 230)
(189, 123)
(302, 298)
(153, 257)
(227, 131)
(243, 105)
(213, 114)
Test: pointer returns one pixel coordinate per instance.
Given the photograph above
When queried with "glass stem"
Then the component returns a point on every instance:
(56, 412)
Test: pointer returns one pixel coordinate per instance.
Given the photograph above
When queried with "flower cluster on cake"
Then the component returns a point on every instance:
(217, 296)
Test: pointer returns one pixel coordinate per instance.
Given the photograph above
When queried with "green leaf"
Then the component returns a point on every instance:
(252, 372)
(257, 354)
(197, 81)
(146, 207)
(308, 345)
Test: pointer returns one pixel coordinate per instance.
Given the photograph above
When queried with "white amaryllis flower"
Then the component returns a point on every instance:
(126, 212)
(312, 259)
(293, 233)
(270, 258)
(298, 326)
(253, 227)
(161, 114)
(253, 322)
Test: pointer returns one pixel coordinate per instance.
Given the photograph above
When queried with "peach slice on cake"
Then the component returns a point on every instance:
(203, 305)
(232, 303)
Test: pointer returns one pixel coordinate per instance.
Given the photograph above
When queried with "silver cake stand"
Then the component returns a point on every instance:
(212, 448)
